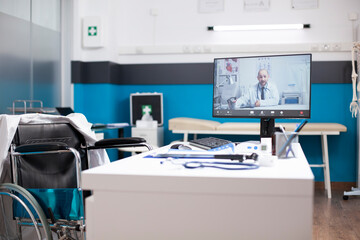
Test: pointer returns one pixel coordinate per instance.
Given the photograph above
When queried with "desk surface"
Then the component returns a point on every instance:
(152, 171)
(140, 198)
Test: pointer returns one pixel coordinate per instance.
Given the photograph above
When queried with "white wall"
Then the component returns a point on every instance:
(179, 32)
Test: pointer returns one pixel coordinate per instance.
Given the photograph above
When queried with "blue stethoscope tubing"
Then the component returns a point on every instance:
(197, 164)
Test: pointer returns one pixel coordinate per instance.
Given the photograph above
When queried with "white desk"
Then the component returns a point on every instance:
(188, 126)
(139, 198)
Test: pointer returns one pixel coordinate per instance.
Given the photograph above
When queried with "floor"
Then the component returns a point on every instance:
(336, 218)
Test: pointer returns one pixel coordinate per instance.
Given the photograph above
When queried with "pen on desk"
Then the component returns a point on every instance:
(292, 136)
(301, 125)
(298, 129)
(286, 138)
(283, 130)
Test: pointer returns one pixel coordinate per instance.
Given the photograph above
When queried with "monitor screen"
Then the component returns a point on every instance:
(276, 86)
(266, 86)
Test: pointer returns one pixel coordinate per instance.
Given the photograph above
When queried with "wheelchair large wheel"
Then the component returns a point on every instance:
(17, 193)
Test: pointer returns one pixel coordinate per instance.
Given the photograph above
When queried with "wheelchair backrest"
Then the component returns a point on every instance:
(49, 170)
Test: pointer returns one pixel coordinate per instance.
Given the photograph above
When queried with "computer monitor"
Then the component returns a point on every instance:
(265, 87)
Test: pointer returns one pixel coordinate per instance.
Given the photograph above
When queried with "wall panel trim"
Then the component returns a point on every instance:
(184, 73)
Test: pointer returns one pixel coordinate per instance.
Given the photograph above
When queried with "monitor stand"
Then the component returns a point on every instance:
(267, 127)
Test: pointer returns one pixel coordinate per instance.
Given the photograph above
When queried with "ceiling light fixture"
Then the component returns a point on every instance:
(258, 27)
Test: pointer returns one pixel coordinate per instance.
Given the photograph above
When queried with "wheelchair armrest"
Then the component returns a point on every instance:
(120, 143)
(41, 147)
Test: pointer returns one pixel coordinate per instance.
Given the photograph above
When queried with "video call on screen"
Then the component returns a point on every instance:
(262, 86)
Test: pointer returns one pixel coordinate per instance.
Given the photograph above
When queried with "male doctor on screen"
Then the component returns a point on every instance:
(262, 94)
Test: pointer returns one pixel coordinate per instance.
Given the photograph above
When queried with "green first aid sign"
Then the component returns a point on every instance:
(92, 31)
(146, 109)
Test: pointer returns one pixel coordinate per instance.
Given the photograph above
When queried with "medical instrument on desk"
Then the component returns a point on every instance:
(354, 106)
(237, 157)
(239, 166)
(248, 147)
(218, 165)
(292, 136)
(180, 146)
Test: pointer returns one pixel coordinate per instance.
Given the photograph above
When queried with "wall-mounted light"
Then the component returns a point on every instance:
(258, 27)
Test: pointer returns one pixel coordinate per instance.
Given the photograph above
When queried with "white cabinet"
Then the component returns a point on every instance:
(153, 136)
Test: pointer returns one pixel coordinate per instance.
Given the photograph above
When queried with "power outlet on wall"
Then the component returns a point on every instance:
(314, 47)
(325, 47)
(336, 47)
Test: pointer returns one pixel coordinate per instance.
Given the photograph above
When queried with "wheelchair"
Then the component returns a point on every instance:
(45, 194)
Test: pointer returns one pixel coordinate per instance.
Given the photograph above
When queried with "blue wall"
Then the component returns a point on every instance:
(104, 103)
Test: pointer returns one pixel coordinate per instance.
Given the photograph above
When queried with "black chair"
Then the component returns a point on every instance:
(46, 163)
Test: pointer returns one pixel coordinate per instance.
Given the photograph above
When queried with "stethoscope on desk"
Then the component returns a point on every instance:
(212, 164)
